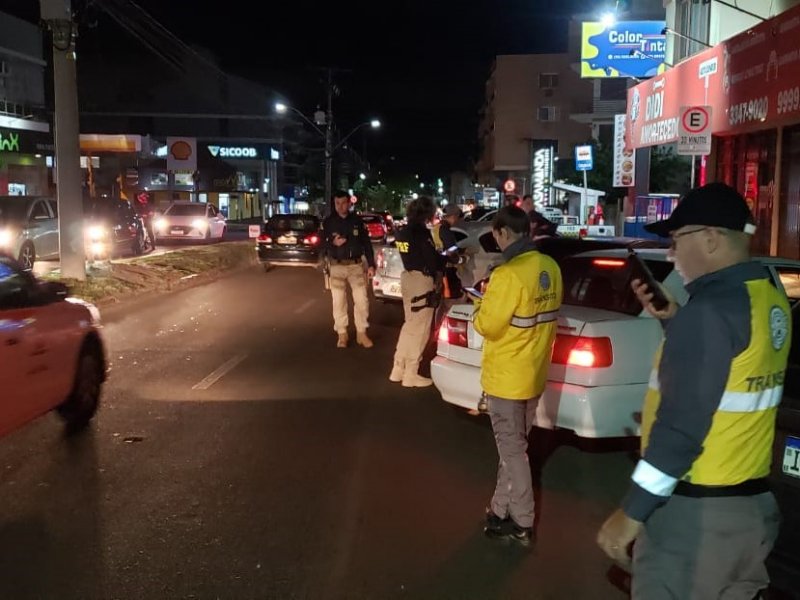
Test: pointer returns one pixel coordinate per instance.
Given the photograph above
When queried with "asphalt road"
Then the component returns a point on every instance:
(238, 454)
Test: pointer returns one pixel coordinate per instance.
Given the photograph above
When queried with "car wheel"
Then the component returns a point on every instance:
(27, 256)
(84, 399)
(208, 234)
(224, 231)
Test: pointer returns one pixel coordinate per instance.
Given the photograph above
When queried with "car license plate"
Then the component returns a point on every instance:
(176, 232)
(791, 457)
(287, 239)
(394, 290)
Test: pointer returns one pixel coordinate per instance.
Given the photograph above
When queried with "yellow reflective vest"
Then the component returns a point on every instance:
(517, 318)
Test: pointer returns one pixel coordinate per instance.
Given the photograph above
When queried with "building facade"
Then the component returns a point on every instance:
(525, 121)
(750, 82)
(26, 140)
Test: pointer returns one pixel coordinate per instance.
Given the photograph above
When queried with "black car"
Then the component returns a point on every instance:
(290, 239)
(113, 229)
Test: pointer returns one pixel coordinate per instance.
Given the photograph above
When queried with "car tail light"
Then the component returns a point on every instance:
(583, 232)
(576, 351)
(608, 263)
(380, 260)
(454, 332)
(264, 239)
(311, 240)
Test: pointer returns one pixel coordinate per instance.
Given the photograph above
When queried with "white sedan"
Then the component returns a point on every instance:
(604, 348)
(190, 220)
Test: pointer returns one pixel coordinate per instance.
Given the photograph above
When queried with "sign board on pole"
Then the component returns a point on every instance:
(254, 231)
(584, 159)
(182, 154)
(694, 133)
(624, 157)
(510, 186)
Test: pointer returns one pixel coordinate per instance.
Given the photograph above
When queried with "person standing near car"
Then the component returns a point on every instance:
(347, 246)
(699, 507)
(444, 240)
(517, 318)
(423, 265)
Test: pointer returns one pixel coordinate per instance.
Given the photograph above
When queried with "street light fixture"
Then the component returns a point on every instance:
(327, 135)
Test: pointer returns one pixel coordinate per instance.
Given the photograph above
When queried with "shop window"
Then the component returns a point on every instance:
(548, 80)
(548, 113)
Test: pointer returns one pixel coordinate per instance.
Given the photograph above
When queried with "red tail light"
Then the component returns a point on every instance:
(609, 263)
(454, 332)
(583, 232)
(311, 240)
(264, 239)
(595, 353)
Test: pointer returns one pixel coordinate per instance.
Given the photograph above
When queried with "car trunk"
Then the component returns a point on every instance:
(593, 347)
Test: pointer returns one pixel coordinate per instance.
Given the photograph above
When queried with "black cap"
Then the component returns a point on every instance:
(712, 205)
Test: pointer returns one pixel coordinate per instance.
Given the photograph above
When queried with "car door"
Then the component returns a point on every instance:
(43, 228)
(34, 339)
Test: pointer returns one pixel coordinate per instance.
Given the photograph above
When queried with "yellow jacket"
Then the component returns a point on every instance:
(518, 320)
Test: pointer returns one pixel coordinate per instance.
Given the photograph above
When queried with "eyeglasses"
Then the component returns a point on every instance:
(675, 236)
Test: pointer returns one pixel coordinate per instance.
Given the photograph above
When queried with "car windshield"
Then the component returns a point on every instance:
(296, 223)
(12, 210)
(186, 210)
(605, 283)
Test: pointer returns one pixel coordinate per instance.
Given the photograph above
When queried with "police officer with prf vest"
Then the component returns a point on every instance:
(423, 265)
(699, 506)
(347, 245)
(444, 240)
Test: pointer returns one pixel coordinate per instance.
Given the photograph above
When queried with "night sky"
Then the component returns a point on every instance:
(419, 65)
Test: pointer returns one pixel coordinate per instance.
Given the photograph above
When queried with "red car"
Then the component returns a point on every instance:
(376, 227)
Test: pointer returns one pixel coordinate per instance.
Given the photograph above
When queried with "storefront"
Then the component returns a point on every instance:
(752, 84)
(26, 157)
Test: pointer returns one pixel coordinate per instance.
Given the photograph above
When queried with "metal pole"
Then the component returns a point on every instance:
(57, 14)
(584, 204)
(329, 141)
(691, 183)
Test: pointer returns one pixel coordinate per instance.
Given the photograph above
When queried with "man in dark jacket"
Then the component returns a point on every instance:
(347, 246)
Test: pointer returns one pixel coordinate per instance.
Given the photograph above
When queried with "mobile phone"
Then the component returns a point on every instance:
(640, 271)
(473, 292)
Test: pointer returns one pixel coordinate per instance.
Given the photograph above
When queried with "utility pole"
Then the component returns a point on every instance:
(57, 14)
(329, 140)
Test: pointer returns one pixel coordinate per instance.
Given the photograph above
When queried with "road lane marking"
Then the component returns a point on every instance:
(304, 307)
(220, 373)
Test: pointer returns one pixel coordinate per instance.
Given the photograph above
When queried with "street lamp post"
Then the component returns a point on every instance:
(327, 135)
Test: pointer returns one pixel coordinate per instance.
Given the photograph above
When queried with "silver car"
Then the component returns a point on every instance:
(29, 228)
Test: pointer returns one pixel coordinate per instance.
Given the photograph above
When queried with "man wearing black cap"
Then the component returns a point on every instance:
(699, 506)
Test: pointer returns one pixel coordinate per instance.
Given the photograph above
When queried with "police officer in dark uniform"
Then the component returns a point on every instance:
(347, 244)
(423, 266)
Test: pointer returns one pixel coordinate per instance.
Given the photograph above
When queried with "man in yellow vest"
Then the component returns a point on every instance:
(517, 318)
(699, 507)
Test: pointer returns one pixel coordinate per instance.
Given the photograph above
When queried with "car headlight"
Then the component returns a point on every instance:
(6, 237)
(96, 233)
(160, 224)
(200, 224)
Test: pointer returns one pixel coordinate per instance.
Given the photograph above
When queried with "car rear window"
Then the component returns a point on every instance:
(605, 283)
(186, 210)
(13, 210)
(371, 219)
(293, 224)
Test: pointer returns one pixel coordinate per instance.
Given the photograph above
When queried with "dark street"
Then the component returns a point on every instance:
(238, 454)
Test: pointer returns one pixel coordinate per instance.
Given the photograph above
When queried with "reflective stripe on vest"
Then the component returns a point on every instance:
(436, 234)
(528, 322)
(654, 481)
(747, 402)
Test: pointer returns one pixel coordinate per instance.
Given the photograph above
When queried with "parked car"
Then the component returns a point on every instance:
(113, 228)
(376, 227)
(290, 239)
(51, 352)
(29, 228)
(784, 562)
(603, 352)
(190, 220)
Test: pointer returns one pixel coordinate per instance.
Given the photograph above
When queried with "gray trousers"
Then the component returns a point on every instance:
(704, 548)
(511, 423)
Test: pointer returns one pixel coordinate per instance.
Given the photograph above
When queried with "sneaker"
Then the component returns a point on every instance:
(496, 527)
(522, 535)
